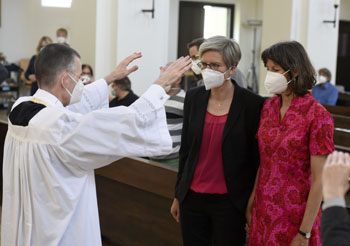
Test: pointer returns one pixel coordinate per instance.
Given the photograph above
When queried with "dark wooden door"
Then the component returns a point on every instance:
(191, 25)
(343, 60)
(191, 22)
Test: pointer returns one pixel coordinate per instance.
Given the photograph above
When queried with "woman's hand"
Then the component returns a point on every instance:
(175, 210)
(248, 216)
(299, 240)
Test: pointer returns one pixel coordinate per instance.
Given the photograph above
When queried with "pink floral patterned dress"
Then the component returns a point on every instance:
(285, 171)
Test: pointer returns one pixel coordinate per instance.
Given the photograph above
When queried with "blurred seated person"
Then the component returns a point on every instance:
(324, 92)
(3, 73)
(87, 74)
(193, 50)
(174, 115)
(62, 36)
(335, 223)
(124, 96)
(30, 72)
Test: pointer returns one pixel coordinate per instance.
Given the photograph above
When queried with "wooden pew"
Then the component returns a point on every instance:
(338, 110)
(134, 198)
(341, 116)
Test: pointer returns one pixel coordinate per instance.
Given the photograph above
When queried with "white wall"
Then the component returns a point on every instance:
(322, 38)
(106, 37)
(137, 31)
(157, 38)
(24, 22)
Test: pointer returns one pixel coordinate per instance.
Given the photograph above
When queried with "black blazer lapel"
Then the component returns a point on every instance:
(235, 110)
(201, 110)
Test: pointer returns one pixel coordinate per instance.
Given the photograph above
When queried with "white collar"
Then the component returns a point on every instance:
(47, 98)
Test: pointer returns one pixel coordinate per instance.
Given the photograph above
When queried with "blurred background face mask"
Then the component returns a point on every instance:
(77, 92)
(321, 80)
(61, 40)
(212, 78)
(276, 83)
(195, 68)
(85, 79)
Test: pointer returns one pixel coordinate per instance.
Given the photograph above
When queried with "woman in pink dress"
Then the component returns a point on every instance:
(295, 136)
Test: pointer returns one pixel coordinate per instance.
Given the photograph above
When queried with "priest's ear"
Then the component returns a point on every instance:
(64, 80)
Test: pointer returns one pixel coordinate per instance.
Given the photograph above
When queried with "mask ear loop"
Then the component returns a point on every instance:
(69, 93)
(229, 78)
(288, 82)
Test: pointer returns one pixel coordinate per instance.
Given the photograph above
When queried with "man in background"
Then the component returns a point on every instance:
(324, 92)
(124, 96)
(62, 36)
(174, 107)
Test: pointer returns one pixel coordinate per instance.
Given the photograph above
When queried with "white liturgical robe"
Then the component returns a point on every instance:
(49, 194)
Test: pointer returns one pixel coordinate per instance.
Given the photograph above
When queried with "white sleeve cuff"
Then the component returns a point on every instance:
(156, 95)
(337, 202)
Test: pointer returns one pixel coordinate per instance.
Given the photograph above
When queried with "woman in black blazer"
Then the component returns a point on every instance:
(219, 153)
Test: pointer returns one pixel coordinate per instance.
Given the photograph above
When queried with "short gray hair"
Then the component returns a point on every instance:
(51, 61)
(228, 48)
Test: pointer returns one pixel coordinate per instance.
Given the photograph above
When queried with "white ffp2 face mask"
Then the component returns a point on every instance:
(77, 92)
(212, 78)
(321, 80)
(276, 83)
(61, 40)
(195, 68)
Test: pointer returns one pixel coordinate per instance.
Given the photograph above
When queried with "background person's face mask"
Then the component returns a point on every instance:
(195, 68)
(61, 40)
(321, 80)
(77, 93)
(276, 83)
(212, 78)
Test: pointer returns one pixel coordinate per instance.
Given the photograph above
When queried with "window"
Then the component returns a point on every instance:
(216, 21)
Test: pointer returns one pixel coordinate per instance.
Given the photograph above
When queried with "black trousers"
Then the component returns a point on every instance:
(211, 219)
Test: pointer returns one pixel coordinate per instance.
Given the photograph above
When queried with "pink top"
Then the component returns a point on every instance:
(209, 174)
(285, 171)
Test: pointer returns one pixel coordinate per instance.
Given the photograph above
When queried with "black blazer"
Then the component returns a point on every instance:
(335, 227)
(240, 153)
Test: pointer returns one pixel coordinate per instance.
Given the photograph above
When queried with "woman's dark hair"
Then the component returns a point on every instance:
(89, 67)
(292, 56)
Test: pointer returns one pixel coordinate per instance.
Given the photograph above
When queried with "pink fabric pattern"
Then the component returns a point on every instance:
(285, 172)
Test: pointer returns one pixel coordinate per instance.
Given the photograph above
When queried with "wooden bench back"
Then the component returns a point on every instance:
(341, 116)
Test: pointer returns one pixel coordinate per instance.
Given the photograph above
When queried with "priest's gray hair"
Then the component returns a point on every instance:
(51, 61)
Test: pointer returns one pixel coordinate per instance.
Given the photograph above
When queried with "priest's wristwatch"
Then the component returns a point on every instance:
(306, 235)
